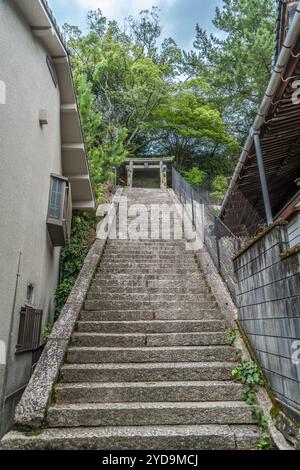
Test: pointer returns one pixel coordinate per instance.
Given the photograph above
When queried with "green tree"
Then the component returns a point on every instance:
(194, 176)
(219, 186)
(134, 99)
(238, 61)
(192, 128)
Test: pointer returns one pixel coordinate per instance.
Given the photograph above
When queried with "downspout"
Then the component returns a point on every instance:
(275, 80)
(10, 338)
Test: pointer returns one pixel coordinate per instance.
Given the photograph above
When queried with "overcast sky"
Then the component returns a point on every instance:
(178, 17)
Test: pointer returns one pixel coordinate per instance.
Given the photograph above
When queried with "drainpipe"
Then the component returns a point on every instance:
(263, 179)
(10, 338)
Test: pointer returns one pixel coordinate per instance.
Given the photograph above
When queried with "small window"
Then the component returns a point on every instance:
(59, 211)
(52, 70)
(29, 329)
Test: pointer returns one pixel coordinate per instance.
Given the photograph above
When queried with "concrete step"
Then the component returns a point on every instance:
(174, 306)
(94, 355)
(149, 414)
(148, 258)
(137, 340)
(155, 269)
(147, 250)
(98, 294)
(117, 315)
(149, 255)
(128, 282)
(150, 244)
(147, 392)
(102, 289)
(150, 314)
(154, 326)
(149, 263)
(205, 437)
(147, 372)
(172, 279)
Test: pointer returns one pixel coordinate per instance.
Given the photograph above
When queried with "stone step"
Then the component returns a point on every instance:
(124, 282)
(172, 278)
(147, 372)
(106, 272)
(147, 392)
(94, 355)
(174, 306)
(112, 253)
(117, 315)
(151, 244)
(149, 263)
(149, 255)
(130, 340)
(154, 326)
(149, 414)
(205, 437)
(144, 315)
(147, 248)
(146, 269)
(98, 294)
(107, 288)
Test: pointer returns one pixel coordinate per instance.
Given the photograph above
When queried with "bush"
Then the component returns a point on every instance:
(195, 177)
(220, 185)
(72, 259)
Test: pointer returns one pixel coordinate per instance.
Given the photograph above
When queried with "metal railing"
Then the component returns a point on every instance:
(219, 241)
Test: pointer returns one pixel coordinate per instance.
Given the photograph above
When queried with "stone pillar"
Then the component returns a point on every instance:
(163, 175)
(130, 175)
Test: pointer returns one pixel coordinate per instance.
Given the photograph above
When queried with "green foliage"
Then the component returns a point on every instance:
(72, 258)
(231, 335)
(238, 352)
(47, 331)
(250, 375)
(219, 185)
(134, 99)
(258, 415)
(238, 61)
(265, 440)
(194, 176)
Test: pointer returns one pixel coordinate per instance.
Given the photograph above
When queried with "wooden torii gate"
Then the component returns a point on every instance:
(148, 163)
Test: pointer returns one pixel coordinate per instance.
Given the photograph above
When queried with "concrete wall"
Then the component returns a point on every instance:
(28, 155)
(268, 298)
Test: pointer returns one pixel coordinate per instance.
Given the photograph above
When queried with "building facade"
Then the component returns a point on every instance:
(44, 175)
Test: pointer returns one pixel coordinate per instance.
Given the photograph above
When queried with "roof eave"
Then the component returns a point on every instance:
(43, 26)
(274, 82)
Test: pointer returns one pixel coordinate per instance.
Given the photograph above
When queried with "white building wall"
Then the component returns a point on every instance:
(29, 153)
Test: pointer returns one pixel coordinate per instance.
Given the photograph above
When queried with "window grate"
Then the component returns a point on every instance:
(29, 329)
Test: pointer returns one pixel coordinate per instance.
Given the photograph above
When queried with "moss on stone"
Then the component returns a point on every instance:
(36, 433)
(290, 252)
(260, 235)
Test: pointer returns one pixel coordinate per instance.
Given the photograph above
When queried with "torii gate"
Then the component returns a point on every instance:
(150, 163)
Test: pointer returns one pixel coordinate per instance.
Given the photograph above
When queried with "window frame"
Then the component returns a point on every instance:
(29, 333)
(60, 228)
(51, 68)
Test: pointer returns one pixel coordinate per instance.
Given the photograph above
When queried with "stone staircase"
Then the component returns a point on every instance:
(149, 365)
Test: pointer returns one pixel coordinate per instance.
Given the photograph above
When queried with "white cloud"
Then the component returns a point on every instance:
(119, 9)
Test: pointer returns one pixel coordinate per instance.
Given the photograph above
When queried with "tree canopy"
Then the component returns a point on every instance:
(140, 94)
